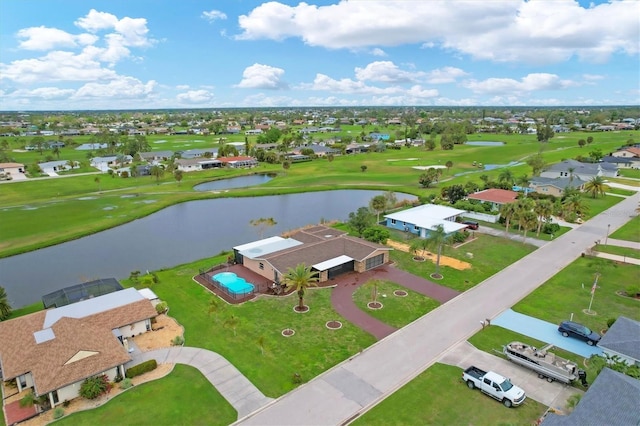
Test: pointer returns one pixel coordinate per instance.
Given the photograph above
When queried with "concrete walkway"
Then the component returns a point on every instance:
(233, 386)
(512, 235)
(552, 394)
(352, 387)
(617, 257)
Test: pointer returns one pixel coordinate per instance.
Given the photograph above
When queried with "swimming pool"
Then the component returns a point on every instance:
(235, 284)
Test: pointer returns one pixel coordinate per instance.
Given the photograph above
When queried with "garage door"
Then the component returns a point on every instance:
(340, 269)
(374, 261)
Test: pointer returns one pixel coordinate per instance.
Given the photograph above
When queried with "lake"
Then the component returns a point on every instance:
(237, 182)
(178, 234)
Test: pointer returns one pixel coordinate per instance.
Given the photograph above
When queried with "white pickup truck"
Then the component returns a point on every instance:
(494, 385)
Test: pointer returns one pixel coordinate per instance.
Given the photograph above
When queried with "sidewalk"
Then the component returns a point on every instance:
(617, 258)
(512, 236)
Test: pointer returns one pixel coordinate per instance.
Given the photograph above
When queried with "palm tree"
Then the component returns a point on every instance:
(419, 245)
(437, 238)
(378, 204)
(97, 181)
(449, 164)
(508, 211)
(301, 277)
(571, 170)
(574, 204)
(506, 175)
(158, 172)
(5, 307)
(177, 174)
(596, 186)
(544, 210)
(523, 182)
(527, 220)
(523, 205)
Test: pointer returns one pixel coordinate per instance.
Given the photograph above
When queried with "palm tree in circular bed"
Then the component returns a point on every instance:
(301, 277)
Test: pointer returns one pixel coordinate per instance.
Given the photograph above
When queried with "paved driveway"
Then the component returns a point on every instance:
(544, 331)
(554, 394)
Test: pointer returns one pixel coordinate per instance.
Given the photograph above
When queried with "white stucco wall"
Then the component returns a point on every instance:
(135, 329)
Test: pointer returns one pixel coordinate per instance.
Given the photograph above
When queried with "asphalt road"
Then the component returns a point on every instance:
(352, 387)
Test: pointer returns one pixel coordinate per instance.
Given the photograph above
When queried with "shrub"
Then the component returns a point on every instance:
(610, 322)
(58, 412)
(66, 403)
(376, 234)
(633, 290)
(161, 307)
(177, 341)
(126, 384)
(93, 387)
(141, 368)
(550, 228)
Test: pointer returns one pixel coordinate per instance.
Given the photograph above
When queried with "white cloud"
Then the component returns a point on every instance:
(96, 21)
(121, 88)
(386, 72)
(529, 83)
(213, 15)
(182, 87)
(43, 38)
(259, 76)
(378, 52)
(56, 66)
(46, 93)
(445, 75)
(508, 30)
(195, 97)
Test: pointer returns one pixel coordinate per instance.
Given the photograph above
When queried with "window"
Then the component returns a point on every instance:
(261, 265)
(393, 221)
(416, 227)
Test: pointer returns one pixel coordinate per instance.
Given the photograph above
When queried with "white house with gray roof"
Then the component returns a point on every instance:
(423, 219)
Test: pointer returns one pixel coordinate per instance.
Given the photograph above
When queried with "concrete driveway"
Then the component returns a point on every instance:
(552, 394)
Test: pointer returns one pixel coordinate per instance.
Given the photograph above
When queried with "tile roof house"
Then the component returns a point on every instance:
(623, 340)
(585, 171)
(328, 251)
(495, 196)
(55, 350)
(423, 219)
(612, 399)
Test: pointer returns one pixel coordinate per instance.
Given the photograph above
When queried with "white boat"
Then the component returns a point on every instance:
(548, 365)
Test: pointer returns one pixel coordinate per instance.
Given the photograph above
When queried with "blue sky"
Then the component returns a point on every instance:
(141, 54)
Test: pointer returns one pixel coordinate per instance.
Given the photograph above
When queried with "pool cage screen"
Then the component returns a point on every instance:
(79, 292)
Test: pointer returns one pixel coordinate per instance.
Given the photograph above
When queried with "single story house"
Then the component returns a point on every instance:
(622, 162)
(12, 169)
(555, 186)
(328, 251)
(156, 155)
(627, 152)
(199, 153)
(423, 219)
(585, 171)
(197, 164)
(494, 196)
(238, 162)
(612, 399)
(55, 350)
(623, 340)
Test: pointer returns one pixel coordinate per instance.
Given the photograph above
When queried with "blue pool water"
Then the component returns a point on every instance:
(233, 283)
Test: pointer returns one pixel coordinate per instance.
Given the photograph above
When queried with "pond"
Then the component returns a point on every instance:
(178, 234)
(484, 143)
(237, 182)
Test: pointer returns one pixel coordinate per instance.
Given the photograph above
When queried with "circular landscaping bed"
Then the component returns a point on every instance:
(301, 309)
(374, 305)
(333, 325)
(400, 293)
(288, 332)
(418, 259)
(436, 276)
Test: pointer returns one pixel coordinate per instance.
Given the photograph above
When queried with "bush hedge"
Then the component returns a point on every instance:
(141, 368)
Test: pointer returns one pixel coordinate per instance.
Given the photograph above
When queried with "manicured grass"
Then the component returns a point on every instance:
(490, 255)
(513, 230)
(438, 396)
(25, 310)
(564, 294)
(48, 211)
(599, 204)
(255, 344)
(184, 397)
(492, 339)
(621, 251)
(621, 191)
(630, 173)
(630, 231)
(396, 311)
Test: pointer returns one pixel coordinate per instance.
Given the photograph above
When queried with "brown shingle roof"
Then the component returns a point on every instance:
(19, 352)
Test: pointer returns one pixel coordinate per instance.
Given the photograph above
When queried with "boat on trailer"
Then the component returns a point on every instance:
(547, 364)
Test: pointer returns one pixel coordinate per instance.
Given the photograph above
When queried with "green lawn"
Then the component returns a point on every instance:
(39, 213)
(621, 251)
(255, 344)
(489, 255)
(630, 173)
(620, 191)
(396, 311)
(568, 292)
(629, 232)
(184, 397)
(438, 396)
(600, 204)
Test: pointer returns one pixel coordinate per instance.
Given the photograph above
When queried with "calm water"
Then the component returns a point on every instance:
(484, 143)
(175, 235)
(238, 182)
